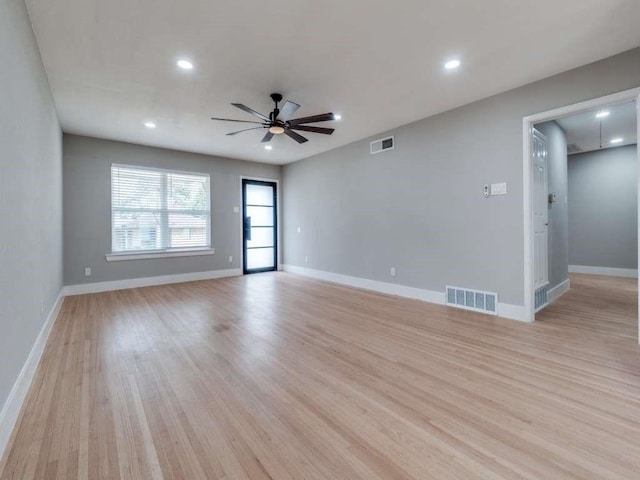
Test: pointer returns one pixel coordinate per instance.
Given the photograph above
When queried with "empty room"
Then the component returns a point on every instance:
(319, 240)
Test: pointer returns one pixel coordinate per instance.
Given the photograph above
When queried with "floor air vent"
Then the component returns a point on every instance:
(542, 298)
(476, 300)
(382, 145)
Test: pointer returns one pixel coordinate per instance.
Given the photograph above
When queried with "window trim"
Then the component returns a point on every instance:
(115, 256)
(150, 254)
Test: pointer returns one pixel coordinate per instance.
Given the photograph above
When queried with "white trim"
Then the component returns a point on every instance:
(512, 312)
(527, 125)
(119, 257)
(556, 292)
(97, 287)
(11, 410)
(609, 271)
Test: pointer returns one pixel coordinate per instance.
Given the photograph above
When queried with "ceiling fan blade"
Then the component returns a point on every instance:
(288, 109)
(251, 111)
(246, 130)
(308, 128)
(325, 117)
(267, 138)
(296, 136)
(231, 120)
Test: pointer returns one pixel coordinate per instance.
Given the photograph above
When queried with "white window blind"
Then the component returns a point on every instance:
(155, 210)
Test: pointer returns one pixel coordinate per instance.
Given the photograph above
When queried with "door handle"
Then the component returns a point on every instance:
(247, 228)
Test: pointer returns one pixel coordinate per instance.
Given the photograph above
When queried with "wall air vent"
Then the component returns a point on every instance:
(476, 300)
(382, 145)
(541, 298)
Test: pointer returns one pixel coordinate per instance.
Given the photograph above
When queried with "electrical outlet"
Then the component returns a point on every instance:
(230, 259)
(306, 259)
(87, 271)
(393, 271)
(299, 229)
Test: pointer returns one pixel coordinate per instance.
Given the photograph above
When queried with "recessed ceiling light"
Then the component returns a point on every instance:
(337, 116)
(268, 147)
(602, 114)
(451, 64)
(616, 140)
(150, 125)
(185, 64)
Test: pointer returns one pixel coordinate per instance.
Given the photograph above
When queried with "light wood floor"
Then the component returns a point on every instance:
(275, 376)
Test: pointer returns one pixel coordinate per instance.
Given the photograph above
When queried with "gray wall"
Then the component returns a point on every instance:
(420, 207)
(603, 208)
(30, 194)
(87, 208)
(558, 212)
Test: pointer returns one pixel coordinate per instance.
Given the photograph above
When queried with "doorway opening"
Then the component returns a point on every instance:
(259, 226)
(581, 198)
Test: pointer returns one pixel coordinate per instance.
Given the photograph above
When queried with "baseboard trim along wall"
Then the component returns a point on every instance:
(608, 271)
(11, 409)
(556, 292)
(505, 310)
(85, 288)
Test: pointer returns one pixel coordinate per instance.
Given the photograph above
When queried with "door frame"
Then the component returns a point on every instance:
(278, 219)
(527, 124)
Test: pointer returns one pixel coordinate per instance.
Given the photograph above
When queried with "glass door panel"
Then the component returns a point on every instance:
(259, 208)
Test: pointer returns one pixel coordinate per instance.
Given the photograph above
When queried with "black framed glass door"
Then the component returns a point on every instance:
(260, 227)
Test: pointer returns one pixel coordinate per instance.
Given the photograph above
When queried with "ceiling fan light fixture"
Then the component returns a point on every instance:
(185, 64)
(276, 130)
(452, 64)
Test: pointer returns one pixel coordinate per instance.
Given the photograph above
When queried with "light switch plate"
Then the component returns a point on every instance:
(498, 189)
(236, 209)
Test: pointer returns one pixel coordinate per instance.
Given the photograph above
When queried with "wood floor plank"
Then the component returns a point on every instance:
(276, 376)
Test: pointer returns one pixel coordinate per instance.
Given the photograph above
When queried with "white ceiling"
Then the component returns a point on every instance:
(111, 63)
(583, 129)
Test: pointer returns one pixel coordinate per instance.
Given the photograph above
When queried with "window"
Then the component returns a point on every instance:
(156, 210)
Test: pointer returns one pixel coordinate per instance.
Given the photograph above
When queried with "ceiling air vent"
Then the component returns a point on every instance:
(382, 145)
(573, 148)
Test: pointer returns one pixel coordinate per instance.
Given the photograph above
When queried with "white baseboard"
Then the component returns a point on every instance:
(608, 271)
(11, 409)
(505, 310)
(84, 288)
(556, 292)
(513, 312)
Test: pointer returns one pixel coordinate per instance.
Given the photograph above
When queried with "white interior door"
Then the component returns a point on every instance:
(540, 210)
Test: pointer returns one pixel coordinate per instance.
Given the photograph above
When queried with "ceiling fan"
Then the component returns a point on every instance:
(279, 122)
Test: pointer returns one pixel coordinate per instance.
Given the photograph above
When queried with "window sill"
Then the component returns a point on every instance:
(118, 257)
